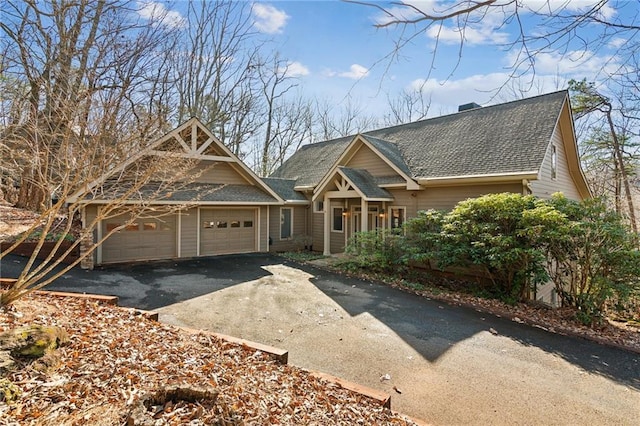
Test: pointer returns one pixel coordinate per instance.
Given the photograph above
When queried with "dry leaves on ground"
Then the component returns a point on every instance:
(115, 356)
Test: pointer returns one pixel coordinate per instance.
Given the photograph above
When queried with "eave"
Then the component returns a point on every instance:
(478, 179)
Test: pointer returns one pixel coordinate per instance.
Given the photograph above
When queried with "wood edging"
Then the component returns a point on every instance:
(278, 354)
(382, 397)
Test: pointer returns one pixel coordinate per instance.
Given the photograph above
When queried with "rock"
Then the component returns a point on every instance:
(33, 341)
(9, 392)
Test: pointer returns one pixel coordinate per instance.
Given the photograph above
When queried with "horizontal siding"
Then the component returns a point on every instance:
(217, 172)
(366, 159)
(318, 231)
(297, 242)
(545, 186)
(189, 233)
(445, 198)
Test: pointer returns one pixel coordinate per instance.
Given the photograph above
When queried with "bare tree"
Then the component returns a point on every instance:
(90, 79)
(586, 99)
(561, 26)
(217, 70)
(337, 121)
(288, 118)
(406, 107)
(81, 64)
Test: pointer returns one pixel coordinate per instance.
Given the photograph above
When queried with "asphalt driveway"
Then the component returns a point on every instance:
(447, 366)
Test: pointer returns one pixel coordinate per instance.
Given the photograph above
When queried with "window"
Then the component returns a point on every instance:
(235, 224)
(318, 207)
(397, 216)
(112, 226)
(208, 224)
(554, 162)
(221, 224)
(132, 227)
(247, 224)
(149, 226)
(286, 223)
(337, 219)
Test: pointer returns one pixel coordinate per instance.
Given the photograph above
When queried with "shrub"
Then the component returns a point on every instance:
(499, 233)
(379, 250)
(595, 263)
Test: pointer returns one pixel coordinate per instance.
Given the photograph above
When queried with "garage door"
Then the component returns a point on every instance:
(144, 239)
(226, 231)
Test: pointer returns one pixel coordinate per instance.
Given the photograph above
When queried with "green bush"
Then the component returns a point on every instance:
(379, 250)
(520, 241)
(499, 233)
(594, 263)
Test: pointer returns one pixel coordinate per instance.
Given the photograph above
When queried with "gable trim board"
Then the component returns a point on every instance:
(439, 161)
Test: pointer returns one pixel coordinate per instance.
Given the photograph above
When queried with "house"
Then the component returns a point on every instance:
(327, 191)
(381, 178)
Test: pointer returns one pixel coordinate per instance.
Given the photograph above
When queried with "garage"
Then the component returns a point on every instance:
(226, 231)
(143, 239)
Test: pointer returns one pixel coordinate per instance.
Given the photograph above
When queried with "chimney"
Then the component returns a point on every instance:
(467, 107)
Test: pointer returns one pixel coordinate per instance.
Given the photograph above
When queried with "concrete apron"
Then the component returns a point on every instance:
(464, 386)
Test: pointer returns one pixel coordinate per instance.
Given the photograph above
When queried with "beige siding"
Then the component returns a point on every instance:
(263, 235)
(189, 233)
(90, 213)
(366, 159)
(318, 231)
(218, 173)
(545, 186)
(300, 226)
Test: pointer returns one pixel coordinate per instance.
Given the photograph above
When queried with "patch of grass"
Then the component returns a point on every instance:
(302, 256)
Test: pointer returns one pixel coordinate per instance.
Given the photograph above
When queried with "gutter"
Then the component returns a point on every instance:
(485, 178)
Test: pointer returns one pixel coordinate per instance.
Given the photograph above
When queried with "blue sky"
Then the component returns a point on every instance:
(336, 53)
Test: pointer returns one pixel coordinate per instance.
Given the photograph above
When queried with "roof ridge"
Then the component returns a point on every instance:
(483, 108)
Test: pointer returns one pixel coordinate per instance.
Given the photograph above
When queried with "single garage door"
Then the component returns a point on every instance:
(144, 239)
(226, 231)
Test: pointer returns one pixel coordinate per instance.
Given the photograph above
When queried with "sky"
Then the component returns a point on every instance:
(337, 54)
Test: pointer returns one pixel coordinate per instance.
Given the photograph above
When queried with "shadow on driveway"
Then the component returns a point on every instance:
(430, 327)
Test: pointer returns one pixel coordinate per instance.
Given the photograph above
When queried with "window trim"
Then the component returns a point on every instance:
(333, 219)
(316, 205)
(404, 216)
(291, 223)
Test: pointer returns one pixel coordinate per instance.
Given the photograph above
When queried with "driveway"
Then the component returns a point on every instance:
(447, 365)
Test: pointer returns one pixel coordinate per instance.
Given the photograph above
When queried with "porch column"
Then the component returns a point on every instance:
(364, 215)
(327, 226)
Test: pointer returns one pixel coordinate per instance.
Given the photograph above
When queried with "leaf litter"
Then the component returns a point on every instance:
(115, 356)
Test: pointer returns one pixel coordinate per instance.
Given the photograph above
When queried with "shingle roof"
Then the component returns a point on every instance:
(504, 138)
(284, 188)
(311, 162)
(191, 192)
(363, 180)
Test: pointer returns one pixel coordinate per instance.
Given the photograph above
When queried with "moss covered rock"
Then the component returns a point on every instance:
(33, 341)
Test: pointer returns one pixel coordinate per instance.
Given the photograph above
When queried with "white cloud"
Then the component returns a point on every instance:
(553, 7)
(157, 13)
(268, 19)
(295, 69)
(355, 72)
(575, 64)
(448, 95)
(617, 42)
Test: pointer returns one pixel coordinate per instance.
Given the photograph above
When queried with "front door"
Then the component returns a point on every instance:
(372, 222)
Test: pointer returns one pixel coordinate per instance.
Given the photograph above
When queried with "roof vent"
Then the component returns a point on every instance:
(467, 107)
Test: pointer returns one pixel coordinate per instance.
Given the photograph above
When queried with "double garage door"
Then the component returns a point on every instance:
(221, 231)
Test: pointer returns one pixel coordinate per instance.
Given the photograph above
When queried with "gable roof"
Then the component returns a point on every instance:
(190, 140)
(364, 183)
(509, 138)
